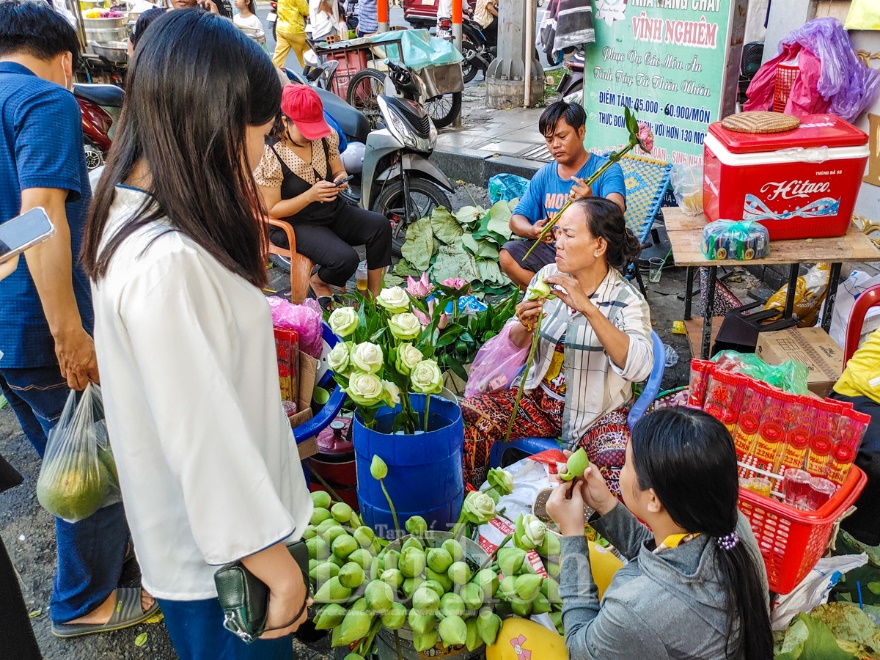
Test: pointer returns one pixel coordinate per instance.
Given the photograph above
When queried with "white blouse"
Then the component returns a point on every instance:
(207, 462)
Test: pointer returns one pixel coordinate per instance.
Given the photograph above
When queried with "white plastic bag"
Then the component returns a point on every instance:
(847, 292)
(78, 475)
(687, 186)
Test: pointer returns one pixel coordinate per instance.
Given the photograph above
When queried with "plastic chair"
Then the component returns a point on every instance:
(866, 300)
(646, 398)
(300, 266)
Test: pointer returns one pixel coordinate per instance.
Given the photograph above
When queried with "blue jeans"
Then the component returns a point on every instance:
(197, 633)
(91, 551)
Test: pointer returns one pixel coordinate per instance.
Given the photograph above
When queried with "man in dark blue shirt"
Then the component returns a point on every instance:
(45, 305)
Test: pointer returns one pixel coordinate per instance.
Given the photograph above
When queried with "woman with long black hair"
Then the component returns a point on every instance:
(695, 585)
(184, 335)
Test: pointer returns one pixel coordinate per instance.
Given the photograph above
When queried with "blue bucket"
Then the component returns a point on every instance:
(424, 471)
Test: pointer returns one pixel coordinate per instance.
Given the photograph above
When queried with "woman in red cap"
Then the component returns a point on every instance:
(298, 178)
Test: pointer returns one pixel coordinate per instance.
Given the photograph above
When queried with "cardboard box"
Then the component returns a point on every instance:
(308, 373)
(810, 346)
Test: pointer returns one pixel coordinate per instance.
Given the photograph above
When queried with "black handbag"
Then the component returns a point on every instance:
(245, 599)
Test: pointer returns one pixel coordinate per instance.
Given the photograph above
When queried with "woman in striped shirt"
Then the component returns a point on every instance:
(595, 341)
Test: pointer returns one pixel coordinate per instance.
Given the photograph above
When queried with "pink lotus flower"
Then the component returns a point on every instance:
(646, 137)
(419, 288)
(460, 285)
(425, 319)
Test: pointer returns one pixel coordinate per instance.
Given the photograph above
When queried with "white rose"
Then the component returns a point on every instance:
(343, 321)
(367, 357)
(338, 359)
(394, 299)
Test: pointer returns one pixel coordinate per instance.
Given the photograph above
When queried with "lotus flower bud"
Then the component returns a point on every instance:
(529, 532)
(472, 595)
(332, 592)
(395, 617)
(488, 625)
(359, 604)
(501, 481)
(364, 536)
(379, 596)
(378, 469)
(362, 558)
(550, 590)
(550, 546)
(441, 579)
(424, 641)
(318, 548)
(344, 545)
(323, 572)
(473, 640)
(439, 560)
(319, 515)
(478, 508)
(553, 569)
(453, 631)
(556, 618)
(416, 525)
(508, 587)
(412, 542)
(353, 656)
(389, 559)
(339, 561)
(325, 526)
(321, 499)
(329, 616)
(528, 585)
(354, 626)
(351, 575)
(540, 605)
(341, 511)
(522, 608)
(451, 605)
(454, 548)
(510, 560)
(434, 586)
(540, 290)
(459, 573)
(411, 585)
(425, 600)
(332, 533)
(412, 562)
(577, 463)
(393, 578)
(309, 533)
(421, 622)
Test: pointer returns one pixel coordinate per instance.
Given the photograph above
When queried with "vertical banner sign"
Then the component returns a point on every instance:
(670, 61)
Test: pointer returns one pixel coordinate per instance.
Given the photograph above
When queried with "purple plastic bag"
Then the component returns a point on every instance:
(306, 319)
(845, 81)
(497, 363)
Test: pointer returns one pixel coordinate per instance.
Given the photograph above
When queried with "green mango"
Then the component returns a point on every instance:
(342, 512)
(395, 617)
(332, 592)
(321, 499)
(439, 560)
(451, 605)
(351, 575)
(420, 622)
(472, 595)
(380, 596)
(425, 600)
(453, 631)
(454, 548)
(319, 515)
(329, 616)
(424, 641)
(459, 573)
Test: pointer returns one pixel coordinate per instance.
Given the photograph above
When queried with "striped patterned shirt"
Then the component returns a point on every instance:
(594, 384)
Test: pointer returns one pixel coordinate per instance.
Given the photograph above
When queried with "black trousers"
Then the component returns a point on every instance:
(864, 524)
(16, 634)
(330, 244)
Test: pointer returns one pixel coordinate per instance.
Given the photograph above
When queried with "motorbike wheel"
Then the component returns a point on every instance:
(469, 67)
(281, 262)
(443, 109)
(363, 93)
(425, 196)
(94, 155)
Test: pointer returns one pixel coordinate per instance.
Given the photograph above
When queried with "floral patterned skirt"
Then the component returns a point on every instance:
(539, 416)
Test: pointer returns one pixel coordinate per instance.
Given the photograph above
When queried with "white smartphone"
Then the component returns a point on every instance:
(24, 231)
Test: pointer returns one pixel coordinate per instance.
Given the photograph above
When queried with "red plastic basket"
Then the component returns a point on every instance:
(792, 541)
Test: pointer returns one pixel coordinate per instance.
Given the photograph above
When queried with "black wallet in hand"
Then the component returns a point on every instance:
(245, 599)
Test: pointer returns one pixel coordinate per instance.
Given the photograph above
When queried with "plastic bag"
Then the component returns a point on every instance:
(687, 186)
(78, 475)
(507, 187)
(306, 319)
(726, 239)
(808, 295)
(863, 15)
(847, 292)
(498, 362)
(790, 376)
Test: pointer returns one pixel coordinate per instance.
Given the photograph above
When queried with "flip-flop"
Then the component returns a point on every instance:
(326, 302)
(127, 613)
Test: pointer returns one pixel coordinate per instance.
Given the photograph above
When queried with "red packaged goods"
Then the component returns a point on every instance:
(850, 430)
(700, 371)
(724, 396)
(801, 183)
(749, 420)
(798, 425)
(771, 433)
(287, 351)
(825, 420)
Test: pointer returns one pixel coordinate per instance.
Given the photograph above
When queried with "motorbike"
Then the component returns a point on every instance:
(572, 81)
(96, 103)
(476, 48)
(397, 177)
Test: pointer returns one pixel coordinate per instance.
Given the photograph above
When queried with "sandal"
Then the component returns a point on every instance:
(326, 302)
(126, 613)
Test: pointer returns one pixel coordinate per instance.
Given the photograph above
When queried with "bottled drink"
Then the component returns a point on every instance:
(361, 276)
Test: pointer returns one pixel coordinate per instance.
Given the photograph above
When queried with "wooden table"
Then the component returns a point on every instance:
(686, 233)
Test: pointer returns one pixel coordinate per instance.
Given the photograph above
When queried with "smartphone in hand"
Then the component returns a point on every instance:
(342, 182)
(24, 231)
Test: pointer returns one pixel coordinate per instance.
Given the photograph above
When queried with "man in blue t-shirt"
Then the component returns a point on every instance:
(46, 314)
(563, 127)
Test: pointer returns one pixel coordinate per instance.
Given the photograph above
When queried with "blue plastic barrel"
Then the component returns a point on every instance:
(424, 471)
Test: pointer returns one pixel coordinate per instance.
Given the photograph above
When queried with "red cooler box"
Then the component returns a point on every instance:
(801, 183)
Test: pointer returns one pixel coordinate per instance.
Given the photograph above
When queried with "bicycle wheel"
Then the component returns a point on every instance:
(443, 109)
(363, 93)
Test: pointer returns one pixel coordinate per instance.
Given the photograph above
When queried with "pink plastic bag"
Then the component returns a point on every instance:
(496, 365)
(306, 319)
